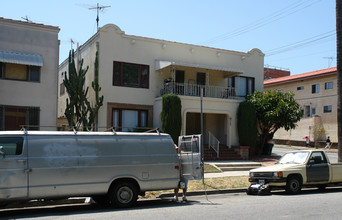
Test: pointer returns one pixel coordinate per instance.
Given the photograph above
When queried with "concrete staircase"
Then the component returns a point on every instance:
(235, 165)
(225, 154)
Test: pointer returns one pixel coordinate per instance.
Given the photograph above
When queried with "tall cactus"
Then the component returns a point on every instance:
(98, 99)
(79, 112)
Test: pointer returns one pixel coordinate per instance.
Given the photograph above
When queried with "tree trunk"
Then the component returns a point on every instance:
(339, 75)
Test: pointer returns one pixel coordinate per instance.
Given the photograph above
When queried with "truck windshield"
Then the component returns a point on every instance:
(294, 157)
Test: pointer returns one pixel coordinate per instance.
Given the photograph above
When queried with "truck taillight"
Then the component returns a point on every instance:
(177, 167)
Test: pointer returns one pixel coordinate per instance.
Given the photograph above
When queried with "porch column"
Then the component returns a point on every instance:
(229, 119)
(184, 119)
(173, 71)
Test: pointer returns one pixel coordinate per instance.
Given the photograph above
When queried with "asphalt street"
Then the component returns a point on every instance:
(310, 204)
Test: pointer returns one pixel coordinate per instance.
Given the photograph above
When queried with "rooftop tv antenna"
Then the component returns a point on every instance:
(330, 60)
(71, 42)
(26, 18)
(98, 8)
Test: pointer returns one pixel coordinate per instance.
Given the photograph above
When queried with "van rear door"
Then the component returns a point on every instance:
(190, 156)
(13, 168)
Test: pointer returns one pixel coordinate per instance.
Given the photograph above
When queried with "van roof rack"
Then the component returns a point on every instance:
(112, 129)
(74, 130)
(152, 130)
(24, 130)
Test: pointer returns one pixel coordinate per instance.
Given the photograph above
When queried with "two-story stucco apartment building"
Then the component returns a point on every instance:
(134, 73)
(316, 92)
(29, 56)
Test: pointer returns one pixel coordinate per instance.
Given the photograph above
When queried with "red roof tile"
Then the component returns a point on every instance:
(301, 76)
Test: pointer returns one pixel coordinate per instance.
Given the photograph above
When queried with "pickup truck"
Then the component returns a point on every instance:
(297, 169)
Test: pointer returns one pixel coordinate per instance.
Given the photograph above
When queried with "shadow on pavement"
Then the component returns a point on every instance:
(83, 209)
(310, 191)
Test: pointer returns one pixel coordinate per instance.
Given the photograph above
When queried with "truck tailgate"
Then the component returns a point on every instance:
(336, 172)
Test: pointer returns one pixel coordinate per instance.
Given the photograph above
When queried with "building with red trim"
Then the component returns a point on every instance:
(316, 92)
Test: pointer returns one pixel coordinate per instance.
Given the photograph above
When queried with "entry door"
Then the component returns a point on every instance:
(13, 168)
(317, 169)
(201, 82)
(190, 156)
(201, 79)
(180, 75)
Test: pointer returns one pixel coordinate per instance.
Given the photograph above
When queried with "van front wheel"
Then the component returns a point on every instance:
(123, 194)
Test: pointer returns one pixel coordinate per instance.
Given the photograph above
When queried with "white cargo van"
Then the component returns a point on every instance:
(111, 167)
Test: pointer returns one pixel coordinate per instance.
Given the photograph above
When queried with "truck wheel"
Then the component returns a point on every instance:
(123, 194)
(293, 185)
(322, 187)
(248, 191)
(101, 200)
(3, 204)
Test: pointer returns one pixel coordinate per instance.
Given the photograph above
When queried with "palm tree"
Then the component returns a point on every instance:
(339, 75)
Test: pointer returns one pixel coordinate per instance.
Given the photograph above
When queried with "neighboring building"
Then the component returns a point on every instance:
(29, 56)
(316, 92)
(271, 72)
(134, 73)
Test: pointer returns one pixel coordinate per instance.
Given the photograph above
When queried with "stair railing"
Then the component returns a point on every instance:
(214, 143)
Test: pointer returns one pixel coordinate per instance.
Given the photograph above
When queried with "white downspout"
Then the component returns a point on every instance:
(229, 121)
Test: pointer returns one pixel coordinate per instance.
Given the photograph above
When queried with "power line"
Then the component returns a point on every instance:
(301, 43)
(291, 9)
(300, 56)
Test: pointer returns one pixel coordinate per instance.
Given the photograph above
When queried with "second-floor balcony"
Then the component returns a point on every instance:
(187, 89)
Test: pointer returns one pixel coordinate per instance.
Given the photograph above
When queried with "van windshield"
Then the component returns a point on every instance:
(294, 158)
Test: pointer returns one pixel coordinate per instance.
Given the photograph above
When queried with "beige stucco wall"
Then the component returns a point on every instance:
(317, 100)
(115, 45)
(210, 106)
(17, 36)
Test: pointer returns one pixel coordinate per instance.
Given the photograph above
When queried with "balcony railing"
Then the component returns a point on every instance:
(195, 90)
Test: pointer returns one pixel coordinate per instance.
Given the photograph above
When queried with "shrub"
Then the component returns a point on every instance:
(171, 116)
(247, 129)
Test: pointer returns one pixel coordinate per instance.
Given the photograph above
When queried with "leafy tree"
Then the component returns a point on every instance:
(247, 128)
(171, 116)
(274, 110)
(79, 111)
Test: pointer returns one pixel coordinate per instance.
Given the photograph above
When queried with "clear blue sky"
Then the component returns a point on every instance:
(295, 34)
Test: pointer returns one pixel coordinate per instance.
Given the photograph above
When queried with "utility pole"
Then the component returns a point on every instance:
(339, 76)
(98, 8)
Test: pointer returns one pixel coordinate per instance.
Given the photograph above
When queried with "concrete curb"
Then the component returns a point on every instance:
(82, 200)
(203, 192)
(46, 203)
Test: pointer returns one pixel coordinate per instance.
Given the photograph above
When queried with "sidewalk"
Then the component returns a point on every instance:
(226, 173)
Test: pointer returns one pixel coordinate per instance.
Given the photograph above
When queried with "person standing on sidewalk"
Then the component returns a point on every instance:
(175, 197)
(327, 143)
(307, 141)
